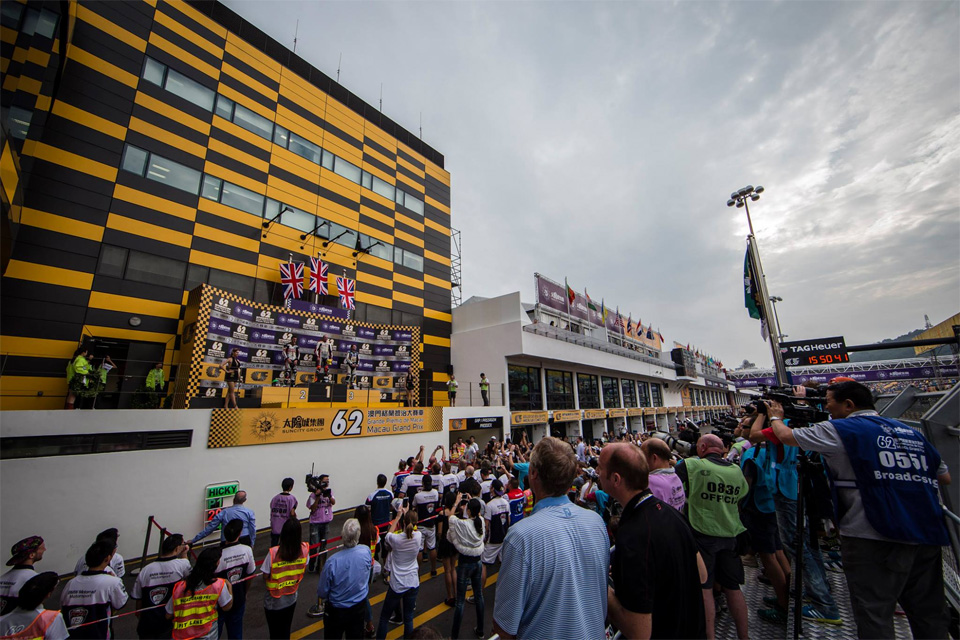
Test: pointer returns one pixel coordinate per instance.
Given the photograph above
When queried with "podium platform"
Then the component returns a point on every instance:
(321, 396)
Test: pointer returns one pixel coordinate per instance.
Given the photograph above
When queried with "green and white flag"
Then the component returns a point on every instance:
(751, 292)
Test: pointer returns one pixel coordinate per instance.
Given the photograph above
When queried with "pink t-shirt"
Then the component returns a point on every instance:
(665, 485)
(281, 507)
(323, 513)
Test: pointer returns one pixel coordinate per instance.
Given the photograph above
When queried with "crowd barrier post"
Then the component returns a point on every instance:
(146, 545)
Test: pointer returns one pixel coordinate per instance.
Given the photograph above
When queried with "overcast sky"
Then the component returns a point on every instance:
(600, 141)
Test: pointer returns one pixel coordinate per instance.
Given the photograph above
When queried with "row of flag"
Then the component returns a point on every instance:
(627, 327)
(291, 277)
(699, 355)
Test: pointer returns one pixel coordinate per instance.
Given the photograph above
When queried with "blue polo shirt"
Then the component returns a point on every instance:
(553, 573)
(344, 579)
(521, 469)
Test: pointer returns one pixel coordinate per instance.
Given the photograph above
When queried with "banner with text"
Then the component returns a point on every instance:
(243, 427)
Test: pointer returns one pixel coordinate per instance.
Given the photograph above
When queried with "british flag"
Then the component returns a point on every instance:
(347, 289)
(291, 277)
(318, 276)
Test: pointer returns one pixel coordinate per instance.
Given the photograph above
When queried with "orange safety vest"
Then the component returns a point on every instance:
(37, 629)
(285, 577)
(194, 615)
(528, 504)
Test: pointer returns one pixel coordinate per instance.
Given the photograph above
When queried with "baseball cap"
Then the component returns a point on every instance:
(22, 549)
(841, 379)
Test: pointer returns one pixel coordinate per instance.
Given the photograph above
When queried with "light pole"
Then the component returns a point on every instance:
(776, 318)
(740, 199)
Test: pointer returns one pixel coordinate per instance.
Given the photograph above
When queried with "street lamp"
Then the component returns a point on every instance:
(741, 199)
(776, 318)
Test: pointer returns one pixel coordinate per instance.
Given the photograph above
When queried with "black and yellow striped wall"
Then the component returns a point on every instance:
(101, 247)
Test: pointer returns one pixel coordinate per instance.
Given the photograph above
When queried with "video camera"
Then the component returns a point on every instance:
(801, 411)
(685, 449)
(314, 482)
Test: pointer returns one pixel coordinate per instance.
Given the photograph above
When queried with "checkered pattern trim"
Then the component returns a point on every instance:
(206, 297)
(225, 427)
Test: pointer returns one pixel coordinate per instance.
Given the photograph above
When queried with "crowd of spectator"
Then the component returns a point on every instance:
(618, 533)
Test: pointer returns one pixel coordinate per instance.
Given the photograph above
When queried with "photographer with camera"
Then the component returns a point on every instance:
(822, 608)
(320, 503)
(885, 476)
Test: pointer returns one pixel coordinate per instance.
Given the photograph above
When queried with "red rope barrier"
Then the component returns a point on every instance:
(250, 577)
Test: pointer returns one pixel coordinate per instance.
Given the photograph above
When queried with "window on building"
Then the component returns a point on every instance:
(173, 174)
(225, 107)
(560, 390)
(134, 160)
(151, 269)
(378, 315)
(10, 13)
(327, 162)
(211, 187)
(410, 202)
(657, 392)
(237, 197)
(347, 237)
(643, 391)
(349, 171)
(232, 282)
(304, 148)
(253, 122)
(611, 392)
(383, 188)
(46, 24)
(18, 121)
(112, 261)
(190, 90)
(281, 136)
(629, 389)
(382, 250)
(296, 218)
(196, 276)
(408, 259)
(524, 385)
(588, 391)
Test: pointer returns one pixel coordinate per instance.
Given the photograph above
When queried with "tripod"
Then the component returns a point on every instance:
(806, 467)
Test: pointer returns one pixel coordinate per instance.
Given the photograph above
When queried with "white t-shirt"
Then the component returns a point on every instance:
(18, 620)
(402, 561)
(164, 573)
(412, 480)
(115, 567)
(237, 561)
(94, 597)
(10, 584)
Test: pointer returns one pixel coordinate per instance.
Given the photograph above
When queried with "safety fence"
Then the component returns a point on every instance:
(164, 532)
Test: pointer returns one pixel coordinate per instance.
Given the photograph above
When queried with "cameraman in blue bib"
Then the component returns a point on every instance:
(885, 479)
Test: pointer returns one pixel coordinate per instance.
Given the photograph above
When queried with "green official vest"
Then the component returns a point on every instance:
(484, 385)
(712, 496)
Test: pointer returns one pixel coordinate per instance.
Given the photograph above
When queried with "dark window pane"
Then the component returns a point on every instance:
(232, 282)
(236, 196)
(196, 276)
(611, 394)
(174, 174)
(524, 388)
(134, 160)
(378, 315)
(588, 391)
(166, 272)
(180, 85)
(112, 260)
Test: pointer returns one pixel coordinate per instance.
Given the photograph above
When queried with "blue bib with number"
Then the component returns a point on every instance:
(896, 470)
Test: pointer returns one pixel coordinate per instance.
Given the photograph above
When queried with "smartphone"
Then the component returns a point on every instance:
(406, 503)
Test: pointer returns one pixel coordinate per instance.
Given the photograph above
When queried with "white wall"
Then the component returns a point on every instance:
(484, 333)
(69, 499)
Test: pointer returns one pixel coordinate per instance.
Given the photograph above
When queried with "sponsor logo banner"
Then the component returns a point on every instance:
(635, 411)
(244, 427)
(617, 413)
(882, 375)
(594, 414)
(566, 416)
(528, 417)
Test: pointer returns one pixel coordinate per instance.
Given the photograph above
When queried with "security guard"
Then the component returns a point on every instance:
(714, 489)
(485, 389)
(884, 476)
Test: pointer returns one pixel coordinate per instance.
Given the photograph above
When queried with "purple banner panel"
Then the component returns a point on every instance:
(322, 309)
(882, 375)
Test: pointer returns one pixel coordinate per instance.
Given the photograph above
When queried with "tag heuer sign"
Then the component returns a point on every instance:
(810, 352)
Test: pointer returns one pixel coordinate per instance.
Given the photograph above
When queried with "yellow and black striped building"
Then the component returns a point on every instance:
(153, 146)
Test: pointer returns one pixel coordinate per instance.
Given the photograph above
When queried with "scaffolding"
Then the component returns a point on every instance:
(456, 262)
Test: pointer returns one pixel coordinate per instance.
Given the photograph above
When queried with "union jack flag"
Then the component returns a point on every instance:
(291, 277)
(318, 276)
(347, 289)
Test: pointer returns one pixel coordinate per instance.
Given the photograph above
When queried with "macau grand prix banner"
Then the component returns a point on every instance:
(242, 427)
(216, 322)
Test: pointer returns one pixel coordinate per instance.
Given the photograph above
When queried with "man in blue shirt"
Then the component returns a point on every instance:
(344, 585)
(379, 503)
(555, 560)
(235, 512)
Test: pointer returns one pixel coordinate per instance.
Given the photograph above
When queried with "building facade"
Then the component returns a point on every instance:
(564, 383)
(150, 147)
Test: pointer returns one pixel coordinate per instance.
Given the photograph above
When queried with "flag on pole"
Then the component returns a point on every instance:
(660, 335)
(291, 277)
(619, 321)
(590, 304)
(347, 290)
(630, 323)
(318, 276)
(603, 312)
(751, 291)
(571, 296)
